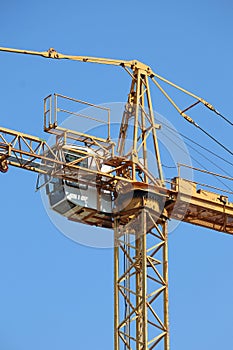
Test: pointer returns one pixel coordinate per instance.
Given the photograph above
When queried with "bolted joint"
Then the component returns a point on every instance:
(208, 105)
(135, 156)
(52, 53)
(189, 119)
(142, 66)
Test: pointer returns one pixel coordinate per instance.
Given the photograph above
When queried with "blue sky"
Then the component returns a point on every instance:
(57, 294)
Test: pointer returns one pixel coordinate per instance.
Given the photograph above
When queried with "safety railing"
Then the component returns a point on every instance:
(57, 104)
(213, 178)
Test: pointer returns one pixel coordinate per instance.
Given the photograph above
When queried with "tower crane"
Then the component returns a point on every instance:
(122, 194)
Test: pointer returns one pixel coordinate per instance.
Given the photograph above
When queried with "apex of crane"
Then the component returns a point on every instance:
(140, 65)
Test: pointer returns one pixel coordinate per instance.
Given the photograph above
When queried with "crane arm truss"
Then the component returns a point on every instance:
(22, 150)
(34, 154)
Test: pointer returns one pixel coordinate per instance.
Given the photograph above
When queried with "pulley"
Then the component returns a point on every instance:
(4, 166)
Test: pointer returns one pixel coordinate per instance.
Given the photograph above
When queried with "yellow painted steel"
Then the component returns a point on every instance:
(140, 225)
(142, 283)
(141, 314)
(133, 64)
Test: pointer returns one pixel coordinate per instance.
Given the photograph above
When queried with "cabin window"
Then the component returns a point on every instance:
(54, 185)
(70, 157)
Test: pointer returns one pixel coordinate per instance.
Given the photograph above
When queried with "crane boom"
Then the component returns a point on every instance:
(52, 53)
(132, 64)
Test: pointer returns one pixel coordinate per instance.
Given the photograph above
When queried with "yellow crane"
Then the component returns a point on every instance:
(126, 196)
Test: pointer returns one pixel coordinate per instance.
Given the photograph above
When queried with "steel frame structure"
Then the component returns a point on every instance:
(141, 282)
(141, 320)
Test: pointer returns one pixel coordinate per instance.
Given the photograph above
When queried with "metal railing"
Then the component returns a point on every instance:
(52, 107)
(218, 177)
